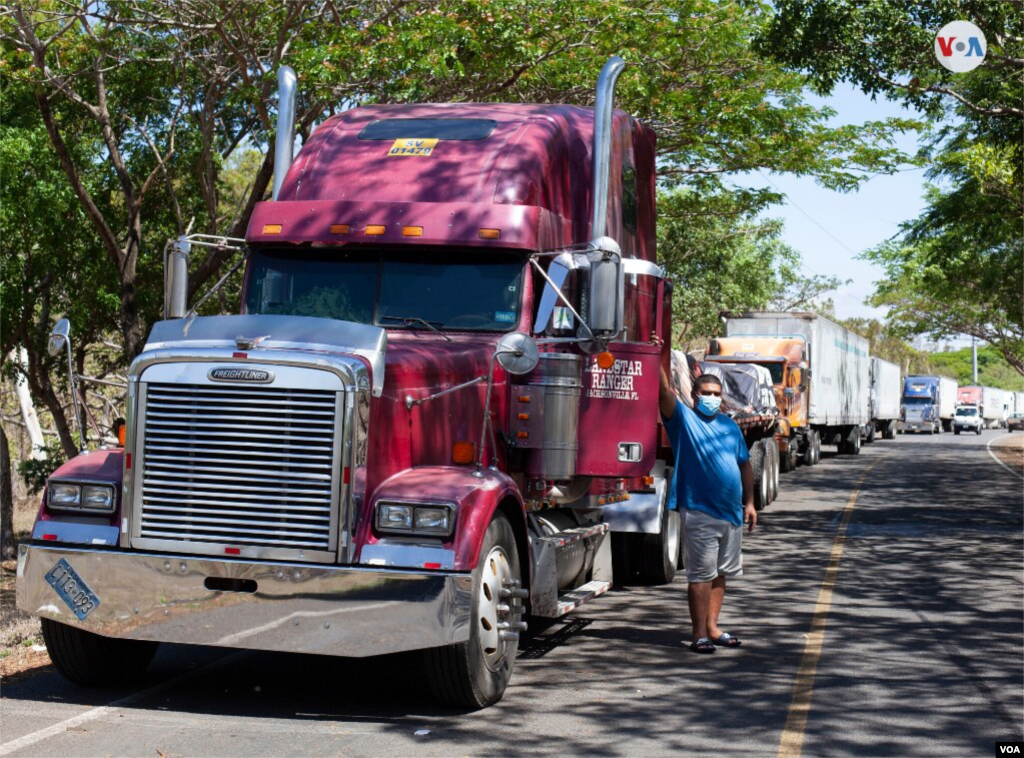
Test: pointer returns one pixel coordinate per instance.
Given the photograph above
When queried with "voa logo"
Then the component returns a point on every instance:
(960, 46)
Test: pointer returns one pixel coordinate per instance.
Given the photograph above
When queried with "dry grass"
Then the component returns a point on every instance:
(19, 632)
(1012, 453)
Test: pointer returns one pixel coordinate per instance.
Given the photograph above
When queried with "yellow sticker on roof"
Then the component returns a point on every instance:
(420, 147)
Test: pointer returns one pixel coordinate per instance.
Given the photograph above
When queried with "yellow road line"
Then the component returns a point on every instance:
(792, 741)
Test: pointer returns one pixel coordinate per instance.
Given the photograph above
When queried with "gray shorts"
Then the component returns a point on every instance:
(711, 547)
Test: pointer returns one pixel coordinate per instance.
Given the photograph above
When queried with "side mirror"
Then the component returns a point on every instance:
(607, 289)
(59, 337)
(517, 353)
(176, 279)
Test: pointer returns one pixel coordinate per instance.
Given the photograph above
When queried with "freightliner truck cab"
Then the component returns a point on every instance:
(435, 414)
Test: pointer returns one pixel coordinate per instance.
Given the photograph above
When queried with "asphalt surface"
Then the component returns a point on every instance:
(922, 650)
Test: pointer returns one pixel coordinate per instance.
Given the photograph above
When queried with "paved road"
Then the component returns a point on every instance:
(920, 629)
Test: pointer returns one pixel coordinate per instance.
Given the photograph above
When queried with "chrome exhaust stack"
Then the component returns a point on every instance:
(285, 140)
(602, 148)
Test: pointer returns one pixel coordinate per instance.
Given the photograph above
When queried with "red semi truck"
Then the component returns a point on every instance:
(436, 413)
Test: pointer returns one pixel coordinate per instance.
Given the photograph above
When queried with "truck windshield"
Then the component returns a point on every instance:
(966, 411)
(776, 370)
(917, 401)
(399, 290)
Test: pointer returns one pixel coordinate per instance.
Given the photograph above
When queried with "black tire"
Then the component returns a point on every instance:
(459, 674)
(817, 448)
(807, 456)
(661, 551)
(890, 431)
(757, 463)
(956, 430)
(871, 433)
(979, 431)
(773, 446)
(854, 441)
(94, 661)
(787, 461)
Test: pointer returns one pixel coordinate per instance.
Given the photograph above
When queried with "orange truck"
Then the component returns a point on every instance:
(820, 372)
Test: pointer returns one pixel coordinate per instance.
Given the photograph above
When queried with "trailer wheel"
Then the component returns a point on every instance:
(475, 673)
(808, 457)
(853, 441)
(661, 551)
(771, 464)
(92, 660)
(889, 433)
(773, 446)
(871, 432)
(757, 463)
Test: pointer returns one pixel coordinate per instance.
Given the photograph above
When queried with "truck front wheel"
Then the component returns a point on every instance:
(94, 661)
(661, 551)
(475, 673)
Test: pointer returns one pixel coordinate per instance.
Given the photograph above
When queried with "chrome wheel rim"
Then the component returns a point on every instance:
(672, 542)
(495, 614)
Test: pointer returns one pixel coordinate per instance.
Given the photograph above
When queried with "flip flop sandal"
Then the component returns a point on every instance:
(727, 640)
(703, 645)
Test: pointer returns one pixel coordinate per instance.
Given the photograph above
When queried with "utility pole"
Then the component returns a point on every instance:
(974, 360)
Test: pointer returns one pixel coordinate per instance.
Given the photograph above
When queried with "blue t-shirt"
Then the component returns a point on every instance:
(708, 456)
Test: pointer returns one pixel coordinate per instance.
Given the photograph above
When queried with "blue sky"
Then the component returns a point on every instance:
(830, 229)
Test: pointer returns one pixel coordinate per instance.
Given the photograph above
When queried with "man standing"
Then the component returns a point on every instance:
(713, 489)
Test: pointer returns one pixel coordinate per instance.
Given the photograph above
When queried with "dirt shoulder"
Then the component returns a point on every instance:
(21, 639)
(1010, 450)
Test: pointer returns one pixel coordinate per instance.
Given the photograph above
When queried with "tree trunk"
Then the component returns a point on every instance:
(19, 356)
(8, 544)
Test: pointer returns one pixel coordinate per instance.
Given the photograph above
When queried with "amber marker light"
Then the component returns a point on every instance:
(412, 231)
(339, 228)
(605, 360)
(120, 435)
(271, 228)
(375, 230)
(463, 452)
(490, 234)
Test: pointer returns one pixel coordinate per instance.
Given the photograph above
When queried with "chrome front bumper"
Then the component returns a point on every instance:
(298, 608)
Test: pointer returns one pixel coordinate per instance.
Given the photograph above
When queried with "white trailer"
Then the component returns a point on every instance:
(884, 399)
(947, 401)
(1018, 402)
(998, 407)
(839, 370)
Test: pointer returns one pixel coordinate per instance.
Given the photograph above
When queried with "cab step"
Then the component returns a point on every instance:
(573, 599)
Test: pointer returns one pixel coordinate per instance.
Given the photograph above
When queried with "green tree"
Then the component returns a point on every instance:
(958, 267)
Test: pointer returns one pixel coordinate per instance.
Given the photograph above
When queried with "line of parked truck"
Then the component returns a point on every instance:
(795, 382)
(824, 388)
(935, 404)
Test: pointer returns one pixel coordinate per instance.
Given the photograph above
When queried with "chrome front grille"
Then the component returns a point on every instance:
(251, 467)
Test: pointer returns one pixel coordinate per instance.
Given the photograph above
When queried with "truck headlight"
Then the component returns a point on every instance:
(80, 497)
(410, 518)
(98, 497)
(66, 495)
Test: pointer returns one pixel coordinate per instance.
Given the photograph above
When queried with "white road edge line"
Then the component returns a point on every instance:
(996, 459)
(96, 713)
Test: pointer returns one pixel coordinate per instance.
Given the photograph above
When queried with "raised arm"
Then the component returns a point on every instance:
(666, 393)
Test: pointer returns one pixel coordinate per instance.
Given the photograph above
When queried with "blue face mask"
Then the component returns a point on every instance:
(709, 404)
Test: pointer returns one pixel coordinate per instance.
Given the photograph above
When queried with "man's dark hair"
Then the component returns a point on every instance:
(703, 379)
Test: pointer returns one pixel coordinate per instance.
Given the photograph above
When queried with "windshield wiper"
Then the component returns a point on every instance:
(410, 320)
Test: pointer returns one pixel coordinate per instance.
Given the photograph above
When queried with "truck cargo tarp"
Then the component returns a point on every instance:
(745, 388)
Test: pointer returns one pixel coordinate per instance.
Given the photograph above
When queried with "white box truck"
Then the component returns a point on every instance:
(994, 404)
(884, 399)
(821, 372)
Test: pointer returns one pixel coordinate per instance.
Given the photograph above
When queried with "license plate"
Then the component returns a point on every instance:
(72, 589)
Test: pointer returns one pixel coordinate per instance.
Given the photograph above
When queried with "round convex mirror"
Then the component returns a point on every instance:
(58, 337)
(517, 353)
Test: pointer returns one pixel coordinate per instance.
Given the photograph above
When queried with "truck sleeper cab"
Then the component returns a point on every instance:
(438, 401)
